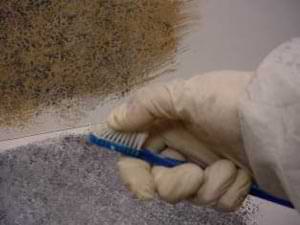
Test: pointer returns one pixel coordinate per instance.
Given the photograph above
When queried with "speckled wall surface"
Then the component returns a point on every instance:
(52, 50)
(67, 182)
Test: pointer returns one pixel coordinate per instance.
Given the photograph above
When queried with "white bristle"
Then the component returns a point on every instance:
(114, 137)
(132, 140)
(107, 137)
(141, 140)
(134, 144)
(128, 140)
(118, 137)
(104, 132)
(110, 136)
(137, 141)
(123, 139)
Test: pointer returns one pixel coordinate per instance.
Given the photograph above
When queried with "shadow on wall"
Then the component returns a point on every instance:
(52, 50)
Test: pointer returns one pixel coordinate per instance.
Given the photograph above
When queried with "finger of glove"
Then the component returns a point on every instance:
(233, 198)
(179, 138)
(177, 183)
(218, 177)
(147, 105)
(154, 142)
(136, 174)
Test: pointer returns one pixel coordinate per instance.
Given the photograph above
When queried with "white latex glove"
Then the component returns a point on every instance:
(198, 120)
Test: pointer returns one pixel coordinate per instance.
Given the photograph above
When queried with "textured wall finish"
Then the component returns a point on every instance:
(52, 50)
(67, 182)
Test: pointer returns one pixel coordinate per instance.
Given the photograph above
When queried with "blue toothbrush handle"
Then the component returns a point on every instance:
(159, 160)
(155, 159)
(257, 192)
(144, 154)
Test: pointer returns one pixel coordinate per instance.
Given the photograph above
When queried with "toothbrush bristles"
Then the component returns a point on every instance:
(131, 140)
(123, 139)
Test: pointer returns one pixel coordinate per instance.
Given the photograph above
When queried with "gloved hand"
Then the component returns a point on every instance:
(196, 120)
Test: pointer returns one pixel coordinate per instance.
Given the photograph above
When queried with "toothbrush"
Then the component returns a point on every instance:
(130, 144)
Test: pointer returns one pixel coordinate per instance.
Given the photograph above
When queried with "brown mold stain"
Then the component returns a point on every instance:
(52, 50)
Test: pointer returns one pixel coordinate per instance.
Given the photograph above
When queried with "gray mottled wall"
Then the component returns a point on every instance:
(67, 182)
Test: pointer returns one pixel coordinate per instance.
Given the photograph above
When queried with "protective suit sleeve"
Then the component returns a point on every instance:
(270, 122)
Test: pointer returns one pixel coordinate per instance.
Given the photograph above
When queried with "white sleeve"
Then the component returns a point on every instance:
(270, 118)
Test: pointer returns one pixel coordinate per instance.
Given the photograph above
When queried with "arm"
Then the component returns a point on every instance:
(270, 121)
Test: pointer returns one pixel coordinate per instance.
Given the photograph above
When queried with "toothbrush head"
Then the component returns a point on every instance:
(133, 140)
